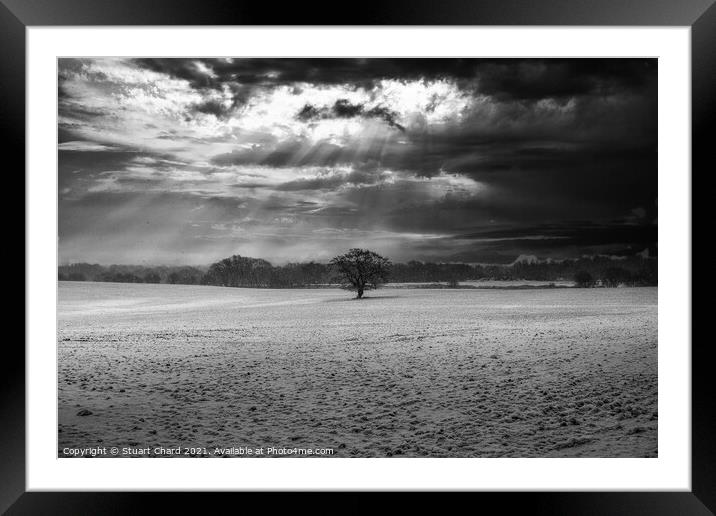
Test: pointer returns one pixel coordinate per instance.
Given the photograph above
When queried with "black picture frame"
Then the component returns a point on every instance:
(700, 15)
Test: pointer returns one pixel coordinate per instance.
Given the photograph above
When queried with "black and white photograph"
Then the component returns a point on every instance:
(357, 257)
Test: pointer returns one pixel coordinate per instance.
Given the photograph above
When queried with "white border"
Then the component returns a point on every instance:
(671, 470)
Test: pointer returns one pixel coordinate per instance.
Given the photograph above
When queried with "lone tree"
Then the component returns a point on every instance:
(361, 270)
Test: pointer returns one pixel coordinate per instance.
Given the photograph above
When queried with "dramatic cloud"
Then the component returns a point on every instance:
(344, 109)
(480, 160)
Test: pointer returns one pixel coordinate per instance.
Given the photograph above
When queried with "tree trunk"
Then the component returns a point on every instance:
(360, 293)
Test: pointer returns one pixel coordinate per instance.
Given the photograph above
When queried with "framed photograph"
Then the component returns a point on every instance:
(420, 251)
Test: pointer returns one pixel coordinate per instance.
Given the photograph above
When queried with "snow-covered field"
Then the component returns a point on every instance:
(404, 372)
(488, 283)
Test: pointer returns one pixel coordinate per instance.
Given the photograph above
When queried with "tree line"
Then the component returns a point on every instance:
(241, 271)
(183, 275)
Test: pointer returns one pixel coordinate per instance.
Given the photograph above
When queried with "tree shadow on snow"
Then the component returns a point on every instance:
(364, 298)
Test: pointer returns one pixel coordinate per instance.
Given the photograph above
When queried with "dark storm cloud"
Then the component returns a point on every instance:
(611, 175)
(268, 71)
(212, 107)
(343, 108)
(511, 78)
(536, 79)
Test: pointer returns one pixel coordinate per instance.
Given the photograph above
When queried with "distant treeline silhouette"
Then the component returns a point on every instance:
(240, 271)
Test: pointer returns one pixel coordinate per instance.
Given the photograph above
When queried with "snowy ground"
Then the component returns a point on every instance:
(488, 283)
(440, 373)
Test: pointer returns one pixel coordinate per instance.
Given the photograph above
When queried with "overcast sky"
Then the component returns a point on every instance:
(186, 161)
